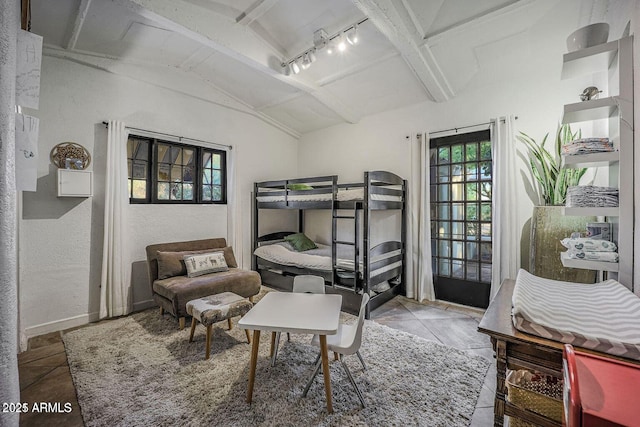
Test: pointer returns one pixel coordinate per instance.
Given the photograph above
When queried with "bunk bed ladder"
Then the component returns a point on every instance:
(336, 242)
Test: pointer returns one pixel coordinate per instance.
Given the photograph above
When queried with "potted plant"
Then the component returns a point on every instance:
(548, 183)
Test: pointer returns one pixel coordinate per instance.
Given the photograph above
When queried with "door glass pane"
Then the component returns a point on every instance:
(444, 249)
(485, 231)
(176, 173)
(443, 192)
(472, 212)
(472, 231)
(457, 211)
(457, 172)
(443, 211)
(472, 171)
(485, 211)
(457, 249)
(457, 191)
(163, 191)
(457, 153)
(485, 191)
(485, 150)
(472, 191)
(457, 269)
(457, 230)
(444, 267)
(472, 251)
(472, 152)
(485, 275)
(472, 271)
(443, 155)
(485, 252)
(485, 170)
(444, 230)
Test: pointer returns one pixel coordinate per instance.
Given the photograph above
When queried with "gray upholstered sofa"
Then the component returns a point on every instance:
(172, 288)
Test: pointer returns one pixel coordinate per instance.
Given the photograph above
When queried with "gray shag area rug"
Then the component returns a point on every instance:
(141, 370)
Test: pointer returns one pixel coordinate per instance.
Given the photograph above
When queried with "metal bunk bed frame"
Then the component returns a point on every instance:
(374, 183)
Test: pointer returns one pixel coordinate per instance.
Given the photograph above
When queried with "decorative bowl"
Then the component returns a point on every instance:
(588, 36)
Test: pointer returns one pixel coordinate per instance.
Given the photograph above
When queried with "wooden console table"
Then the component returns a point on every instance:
(516, 350)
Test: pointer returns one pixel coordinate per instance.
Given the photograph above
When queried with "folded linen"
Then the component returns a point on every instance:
(587, 145)
(588, 245)
(593, 256)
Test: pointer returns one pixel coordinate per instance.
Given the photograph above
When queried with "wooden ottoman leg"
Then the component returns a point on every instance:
(193, 328)
(208, 344)
(229, 323)
(161, 311)
(181, 323)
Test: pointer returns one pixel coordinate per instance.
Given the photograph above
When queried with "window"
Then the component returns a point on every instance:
(169, 172)
(461, 228)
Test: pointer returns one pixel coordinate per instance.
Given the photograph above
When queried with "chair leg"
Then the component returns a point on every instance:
(229, 323)
(208, 344)
(193, 328)
(251, 299)
(364, 367)
(275, 345)
(346, 369)
(288, 337)
(161, 311)
(181, 323)
(315, 372)
(335, 356)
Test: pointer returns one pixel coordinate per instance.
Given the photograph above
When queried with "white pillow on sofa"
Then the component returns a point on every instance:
(200, 264)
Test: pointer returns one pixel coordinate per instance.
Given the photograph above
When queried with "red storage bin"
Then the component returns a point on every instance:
(599, 391)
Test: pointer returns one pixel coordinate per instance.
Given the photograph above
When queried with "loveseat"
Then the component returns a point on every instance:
(172, 288)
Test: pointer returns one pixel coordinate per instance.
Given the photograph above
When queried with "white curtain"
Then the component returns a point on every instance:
(115, 286)
(234, 207)
(419, 273)
(506, 241)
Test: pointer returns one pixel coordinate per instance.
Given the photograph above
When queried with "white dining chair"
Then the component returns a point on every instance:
(345, 342)
(304, 284)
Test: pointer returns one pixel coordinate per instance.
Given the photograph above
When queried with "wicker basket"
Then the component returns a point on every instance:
(539, 393)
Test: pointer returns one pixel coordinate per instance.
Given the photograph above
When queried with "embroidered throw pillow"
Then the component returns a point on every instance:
(171, 264)
(300, 242)
(200, 264)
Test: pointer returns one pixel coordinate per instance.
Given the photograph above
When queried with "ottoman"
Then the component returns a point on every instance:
(216, 308)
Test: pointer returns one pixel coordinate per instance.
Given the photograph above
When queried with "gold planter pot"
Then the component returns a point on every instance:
(548, 227)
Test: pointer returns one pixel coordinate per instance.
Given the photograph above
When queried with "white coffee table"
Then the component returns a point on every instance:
(317, 314)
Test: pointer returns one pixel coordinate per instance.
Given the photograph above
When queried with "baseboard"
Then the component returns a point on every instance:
(57, 325)
(143, 305)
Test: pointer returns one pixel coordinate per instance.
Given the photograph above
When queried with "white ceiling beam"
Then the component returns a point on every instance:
(169, 78)
(236, 41)
(258, 9)
(392, 19)
(74, 32)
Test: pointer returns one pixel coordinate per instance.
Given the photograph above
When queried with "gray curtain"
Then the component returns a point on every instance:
(9, 385)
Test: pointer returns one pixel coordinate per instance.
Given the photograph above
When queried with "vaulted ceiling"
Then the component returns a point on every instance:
(231, 51)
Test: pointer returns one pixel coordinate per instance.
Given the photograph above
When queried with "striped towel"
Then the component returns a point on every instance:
(601, 316)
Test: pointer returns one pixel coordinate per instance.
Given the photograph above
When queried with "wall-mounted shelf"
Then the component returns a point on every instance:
(590, 110)
(591, 160)
(75, 183)
(591, 211)
(587, 264)
(589, 60)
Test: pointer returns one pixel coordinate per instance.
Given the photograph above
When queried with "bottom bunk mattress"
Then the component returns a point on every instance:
(318, 259)
(603, 316)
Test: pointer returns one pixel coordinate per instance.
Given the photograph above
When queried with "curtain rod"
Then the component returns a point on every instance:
(180, 138)
(465, 127)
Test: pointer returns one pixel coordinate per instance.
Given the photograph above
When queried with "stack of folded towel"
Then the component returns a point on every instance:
(590, 249)
(592, 196)
(587, 146)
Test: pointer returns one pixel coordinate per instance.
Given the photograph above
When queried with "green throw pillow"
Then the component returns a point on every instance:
(300, 242)
(299, 187)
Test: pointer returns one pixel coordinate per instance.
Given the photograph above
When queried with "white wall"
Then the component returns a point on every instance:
(61, 238)
(529, 87)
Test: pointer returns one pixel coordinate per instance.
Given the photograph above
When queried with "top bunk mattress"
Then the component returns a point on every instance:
(344, 195)
(603, 316)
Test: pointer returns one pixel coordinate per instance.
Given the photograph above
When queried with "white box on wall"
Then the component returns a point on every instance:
(75, 183)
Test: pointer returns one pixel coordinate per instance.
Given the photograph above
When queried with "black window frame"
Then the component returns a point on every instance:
(152, 173)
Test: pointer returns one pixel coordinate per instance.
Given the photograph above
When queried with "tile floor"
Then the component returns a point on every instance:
(45, 376)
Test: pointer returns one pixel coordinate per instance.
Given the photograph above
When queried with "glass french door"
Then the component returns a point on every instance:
(461, 172)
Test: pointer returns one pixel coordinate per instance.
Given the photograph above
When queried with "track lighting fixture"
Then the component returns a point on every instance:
(321, 40)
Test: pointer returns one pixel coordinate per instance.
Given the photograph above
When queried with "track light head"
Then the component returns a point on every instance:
(295, 67)
(330, 48)
(306, 62)
(353, 37)
(342, 44)
(312, 56)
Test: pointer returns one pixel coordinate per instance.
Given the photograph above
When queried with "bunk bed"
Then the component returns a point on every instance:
(349, 266)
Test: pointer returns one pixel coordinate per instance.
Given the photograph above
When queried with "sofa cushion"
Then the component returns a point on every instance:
(199, 264)
(172, 264)
(182, 289)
